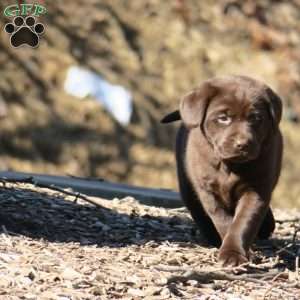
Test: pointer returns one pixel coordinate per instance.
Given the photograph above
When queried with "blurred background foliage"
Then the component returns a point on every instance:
(158, 50)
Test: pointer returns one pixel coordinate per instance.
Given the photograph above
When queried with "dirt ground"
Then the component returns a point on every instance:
(59, 247)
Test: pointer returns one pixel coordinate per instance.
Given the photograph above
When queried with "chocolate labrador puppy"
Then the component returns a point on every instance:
(228, 153)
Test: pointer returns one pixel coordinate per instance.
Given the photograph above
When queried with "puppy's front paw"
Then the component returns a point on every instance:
(232, 258)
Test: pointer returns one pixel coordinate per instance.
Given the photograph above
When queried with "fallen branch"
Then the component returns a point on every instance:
(208, 276)
(102, 189)
(243, 268)
(31, 180)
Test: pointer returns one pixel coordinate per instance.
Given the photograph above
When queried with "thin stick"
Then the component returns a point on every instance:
(30, 180)
(165, 268)
(205, 277)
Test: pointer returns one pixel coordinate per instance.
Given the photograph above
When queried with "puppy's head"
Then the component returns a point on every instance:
(234, 113)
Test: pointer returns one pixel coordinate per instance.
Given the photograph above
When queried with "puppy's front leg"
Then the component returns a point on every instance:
(220, 217)
(249, 214)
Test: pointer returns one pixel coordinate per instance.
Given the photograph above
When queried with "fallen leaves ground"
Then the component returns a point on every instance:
(48, 131)
(53, 246)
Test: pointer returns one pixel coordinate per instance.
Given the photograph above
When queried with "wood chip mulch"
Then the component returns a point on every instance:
(54, 246)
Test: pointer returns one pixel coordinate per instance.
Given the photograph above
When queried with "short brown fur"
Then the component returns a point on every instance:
(228, 153)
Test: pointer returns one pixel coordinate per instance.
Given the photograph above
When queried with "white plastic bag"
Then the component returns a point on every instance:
(115, 98)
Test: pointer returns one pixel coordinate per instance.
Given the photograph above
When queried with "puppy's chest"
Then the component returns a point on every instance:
(223, 185)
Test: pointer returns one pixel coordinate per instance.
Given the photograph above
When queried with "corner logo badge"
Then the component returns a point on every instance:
(24, 30)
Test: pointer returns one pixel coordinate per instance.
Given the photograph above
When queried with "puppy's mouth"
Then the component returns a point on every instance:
(237, 158)
(240, 157)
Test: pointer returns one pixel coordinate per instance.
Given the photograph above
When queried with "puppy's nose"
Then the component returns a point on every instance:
(241, 144)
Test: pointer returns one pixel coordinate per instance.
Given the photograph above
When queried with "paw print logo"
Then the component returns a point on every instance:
(24, 31)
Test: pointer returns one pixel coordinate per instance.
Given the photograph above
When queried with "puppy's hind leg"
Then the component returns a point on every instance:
(203, 221)
(267, 227)
(190, 197)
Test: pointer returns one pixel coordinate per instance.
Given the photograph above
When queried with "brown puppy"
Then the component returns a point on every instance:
(228, 153)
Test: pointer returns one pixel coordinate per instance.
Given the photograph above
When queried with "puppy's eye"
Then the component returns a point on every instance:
(255, 118)
(224, 119)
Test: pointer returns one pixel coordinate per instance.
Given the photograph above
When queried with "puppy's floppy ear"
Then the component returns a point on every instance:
(275, 106)
(193, 105)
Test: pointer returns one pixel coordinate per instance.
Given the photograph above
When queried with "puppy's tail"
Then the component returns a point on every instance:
(171, 117)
